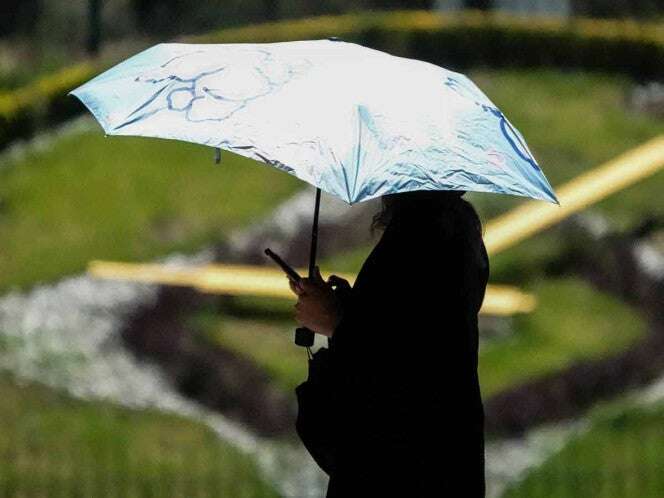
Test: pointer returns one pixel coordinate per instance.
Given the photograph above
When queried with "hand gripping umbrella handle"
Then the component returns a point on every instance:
(303, 336)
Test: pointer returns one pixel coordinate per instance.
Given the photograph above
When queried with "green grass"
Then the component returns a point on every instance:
(572, 322)
(90, 197)
(54, 445)
(621, 456)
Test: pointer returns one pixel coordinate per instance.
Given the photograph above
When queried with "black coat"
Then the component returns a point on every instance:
(405, 414)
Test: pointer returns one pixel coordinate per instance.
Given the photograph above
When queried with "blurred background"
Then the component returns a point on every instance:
(118, 387)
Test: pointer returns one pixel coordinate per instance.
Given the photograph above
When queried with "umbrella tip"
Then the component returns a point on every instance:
(217, 155)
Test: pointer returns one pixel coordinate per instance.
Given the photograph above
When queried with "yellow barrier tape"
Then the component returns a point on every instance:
(577, 194)
(240, 280)
(501, 233)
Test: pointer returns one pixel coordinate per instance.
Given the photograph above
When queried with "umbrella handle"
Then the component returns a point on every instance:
(303, 336)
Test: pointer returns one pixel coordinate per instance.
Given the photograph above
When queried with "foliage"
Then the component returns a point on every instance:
(53, 445)
(473, 38)
(643, 9)
(19, 16)
(42, 103)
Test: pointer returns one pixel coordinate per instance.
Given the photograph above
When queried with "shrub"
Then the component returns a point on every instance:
(475, 38)
(42, 103)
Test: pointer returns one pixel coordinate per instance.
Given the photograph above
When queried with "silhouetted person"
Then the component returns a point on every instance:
(405, 414)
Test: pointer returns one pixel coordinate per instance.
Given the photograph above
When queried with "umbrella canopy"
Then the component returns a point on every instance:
(355, 122)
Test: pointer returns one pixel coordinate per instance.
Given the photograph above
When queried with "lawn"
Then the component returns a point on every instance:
(53, 445)
(572, 322)
(621, 456)
(133, 199)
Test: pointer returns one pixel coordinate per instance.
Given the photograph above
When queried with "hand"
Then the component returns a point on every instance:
(317, 307)
(338, 282)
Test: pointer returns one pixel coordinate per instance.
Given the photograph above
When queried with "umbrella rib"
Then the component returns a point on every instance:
(359, 145)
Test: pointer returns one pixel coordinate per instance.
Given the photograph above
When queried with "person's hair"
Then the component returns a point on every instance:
(446, 205)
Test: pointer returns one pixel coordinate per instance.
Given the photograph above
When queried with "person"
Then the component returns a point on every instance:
(405, 414)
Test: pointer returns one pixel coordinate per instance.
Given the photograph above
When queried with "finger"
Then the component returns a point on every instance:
(317, 274)
(295, 287)
(308, 285)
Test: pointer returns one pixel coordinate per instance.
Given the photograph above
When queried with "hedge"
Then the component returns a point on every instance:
(479, 38)
(42, 103)
(457, 41)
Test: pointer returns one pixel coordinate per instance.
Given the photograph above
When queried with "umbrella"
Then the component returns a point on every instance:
(353, 121)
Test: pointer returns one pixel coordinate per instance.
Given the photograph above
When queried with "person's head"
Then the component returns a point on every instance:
(423, 205)
(452, 214)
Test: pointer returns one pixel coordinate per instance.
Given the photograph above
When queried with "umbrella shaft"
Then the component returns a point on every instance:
(303, 336)
(314, 235)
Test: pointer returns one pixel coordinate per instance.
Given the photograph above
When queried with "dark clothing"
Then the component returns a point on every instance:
(407, 411)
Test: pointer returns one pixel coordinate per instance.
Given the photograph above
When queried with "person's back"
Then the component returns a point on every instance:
(408, 407)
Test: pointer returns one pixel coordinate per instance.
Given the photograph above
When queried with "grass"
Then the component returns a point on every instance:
(133, 199)
(572, 322)
(621, 456)
(54, 445)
